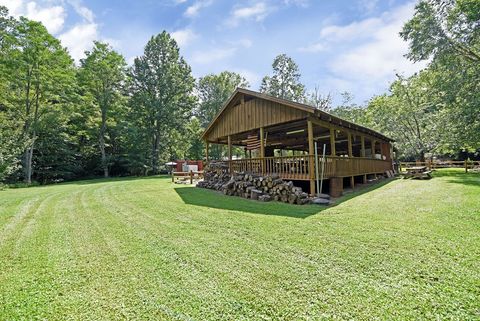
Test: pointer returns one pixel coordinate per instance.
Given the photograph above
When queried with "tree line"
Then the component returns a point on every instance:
(60, 121)
(435, 112)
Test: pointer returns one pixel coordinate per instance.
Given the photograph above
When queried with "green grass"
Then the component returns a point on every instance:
(148, 249)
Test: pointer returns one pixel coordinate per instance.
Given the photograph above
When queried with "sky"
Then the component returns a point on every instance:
(339, 45)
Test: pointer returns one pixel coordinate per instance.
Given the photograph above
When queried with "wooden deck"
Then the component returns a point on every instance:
(297, 167)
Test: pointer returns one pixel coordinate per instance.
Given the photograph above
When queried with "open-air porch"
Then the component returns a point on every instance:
(278, 137)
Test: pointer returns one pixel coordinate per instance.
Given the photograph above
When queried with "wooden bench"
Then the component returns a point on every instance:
(191, 175)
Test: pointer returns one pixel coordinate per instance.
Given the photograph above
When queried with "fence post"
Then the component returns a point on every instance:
(191, 177)
(466, 166)
(173, 177)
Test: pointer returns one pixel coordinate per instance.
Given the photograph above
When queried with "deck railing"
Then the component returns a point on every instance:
(298, 167)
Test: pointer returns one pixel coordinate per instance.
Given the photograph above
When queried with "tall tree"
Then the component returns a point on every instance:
(102, 75)
(410, 115)
(318, 100)
(40, 76)
(194, 138)
(444, 27)
(162, 92)
(10, 127)
(285, 81)
(214, 90)
(349, 110)
(448, 33)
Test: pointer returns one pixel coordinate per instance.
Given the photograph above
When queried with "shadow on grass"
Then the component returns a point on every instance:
(213, 199)
(364, 189)
(458, 176)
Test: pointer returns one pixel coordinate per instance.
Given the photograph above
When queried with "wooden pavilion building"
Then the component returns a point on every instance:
(285, 133)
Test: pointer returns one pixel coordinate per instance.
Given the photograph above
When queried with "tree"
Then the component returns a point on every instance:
(194, 138)
(444, 27)
(102, 75)
(10, 143)
(448, 33)
(349, 110)
(213, 91)
(410, 115)
(10, 133)
(285, 82)
(39, 74)
(318, 100)
(161, 93)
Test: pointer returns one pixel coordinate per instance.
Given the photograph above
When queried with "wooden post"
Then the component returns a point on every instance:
(350, 154)
(206, 151)
(332, 142)
(191, 177)
(311, 161)
(362, 151)
(350, 149)
(229, 138)
(173, 176)
(262, 149)
(373, 148)
(466, 166)
(365, 179)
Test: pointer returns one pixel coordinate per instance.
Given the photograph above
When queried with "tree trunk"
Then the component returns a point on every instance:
(28, 165)
(101, 141)
(104, 156)
(155, 145)
(29, 152)
(422, 156)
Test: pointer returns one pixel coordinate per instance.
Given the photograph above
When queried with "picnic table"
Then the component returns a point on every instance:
(420, 172)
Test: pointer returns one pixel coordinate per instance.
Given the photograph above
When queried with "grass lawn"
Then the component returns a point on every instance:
(148, 249)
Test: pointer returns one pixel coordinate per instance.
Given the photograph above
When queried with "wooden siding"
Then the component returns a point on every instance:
(250, 115)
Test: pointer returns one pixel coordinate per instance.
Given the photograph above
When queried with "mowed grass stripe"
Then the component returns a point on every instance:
(144, 248)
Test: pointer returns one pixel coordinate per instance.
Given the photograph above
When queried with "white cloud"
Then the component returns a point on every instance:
(381, 53)
(257, 12)
(14, 6)
(313, 48)
(51, 16)
(194, 9)
(367, 6)
(52, 13)
(364, 55)
(82, 11)
(298, 3)
(245, 42)
(184, 37)
(252, 77)
(213, 55)
(79, 38)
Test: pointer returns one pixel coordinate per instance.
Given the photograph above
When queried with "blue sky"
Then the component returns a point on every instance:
(339, 45)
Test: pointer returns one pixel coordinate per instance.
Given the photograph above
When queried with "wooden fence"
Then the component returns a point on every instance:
(443, 164)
